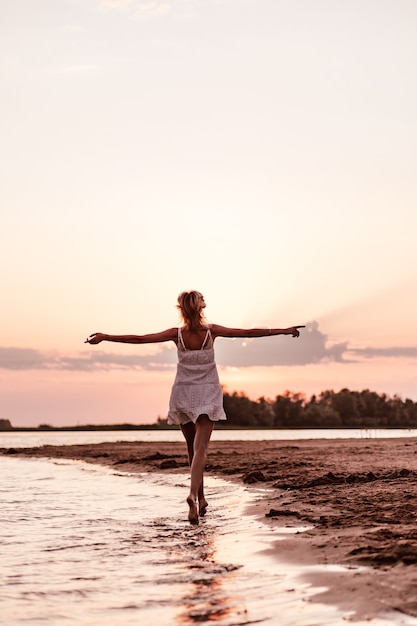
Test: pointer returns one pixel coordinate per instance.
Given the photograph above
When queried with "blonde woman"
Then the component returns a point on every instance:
(196, 400)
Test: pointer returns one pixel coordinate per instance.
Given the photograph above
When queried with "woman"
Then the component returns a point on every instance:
(196, 400)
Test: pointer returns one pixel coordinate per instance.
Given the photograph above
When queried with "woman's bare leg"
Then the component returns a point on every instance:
(188, 430)
(203, 430)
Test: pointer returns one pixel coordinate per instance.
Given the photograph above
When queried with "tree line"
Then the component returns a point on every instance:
(329, 409)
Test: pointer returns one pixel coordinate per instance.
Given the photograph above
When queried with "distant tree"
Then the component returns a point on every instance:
(240, 411)
(264, 413)
(288, 410)
(320, 416)
(345, 404)
(5, 424)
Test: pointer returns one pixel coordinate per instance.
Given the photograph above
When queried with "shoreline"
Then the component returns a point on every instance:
(357, 497)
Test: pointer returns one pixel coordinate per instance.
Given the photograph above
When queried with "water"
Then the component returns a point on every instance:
(83, 545)
(40, 438)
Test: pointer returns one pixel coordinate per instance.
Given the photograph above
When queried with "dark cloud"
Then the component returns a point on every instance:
(370, 353)
(24, 359)
(165, 359)
(312, 347)
(28, 359)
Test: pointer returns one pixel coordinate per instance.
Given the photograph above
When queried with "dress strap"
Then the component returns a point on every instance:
(180, 339)
(208, 334)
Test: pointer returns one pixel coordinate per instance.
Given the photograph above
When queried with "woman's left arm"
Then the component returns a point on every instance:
(165, 335)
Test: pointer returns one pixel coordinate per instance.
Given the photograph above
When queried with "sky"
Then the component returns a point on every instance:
(262, 152)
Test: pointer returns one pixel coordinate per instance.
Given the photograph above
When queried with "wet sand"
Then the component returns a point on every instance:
(358, 498)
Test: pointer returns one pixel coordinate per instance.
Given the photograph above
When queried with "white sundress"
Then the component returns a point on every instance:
(196, 389)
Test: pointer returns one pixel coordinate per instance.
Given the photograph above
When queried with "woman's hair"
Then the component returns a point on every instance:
(189, 305)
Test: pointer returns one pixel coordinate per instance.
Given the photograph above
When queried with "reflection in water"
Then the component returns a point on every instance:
(189, 560)
(207, 601)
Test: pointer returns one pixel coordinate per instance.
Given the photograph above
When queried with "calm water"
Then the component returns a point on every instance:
(29, 439)
(83, 545)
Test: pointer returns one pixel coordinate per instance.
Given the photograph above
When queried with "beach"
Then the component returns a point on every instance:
(356, 499)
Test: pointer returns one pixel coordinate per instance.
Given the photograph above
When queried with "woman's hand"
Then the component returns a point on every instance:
(95, 338)
(294, 331)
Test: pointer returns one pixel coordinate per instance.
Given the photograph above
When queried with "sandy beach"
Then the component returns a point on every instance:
(357, 498)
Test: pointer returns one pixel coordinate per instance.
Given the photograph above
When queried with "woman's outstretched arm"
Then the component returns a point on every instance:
(223, 331)
(166, 335)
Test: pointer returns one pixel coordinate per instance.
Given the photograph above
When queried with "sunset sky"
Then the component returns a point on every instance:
(263, 152)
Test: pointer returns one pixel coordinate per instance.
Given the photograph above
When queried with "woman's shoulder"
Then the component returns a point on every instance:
(215, 328)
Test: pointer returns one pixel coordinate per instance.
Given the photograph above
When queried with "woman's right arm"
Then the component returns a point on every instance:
(224, 331)
(166, 335)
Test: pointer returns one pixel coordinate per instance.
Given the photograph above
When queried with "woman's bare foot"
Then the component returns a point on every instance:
(202, 507)
(193, 513)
